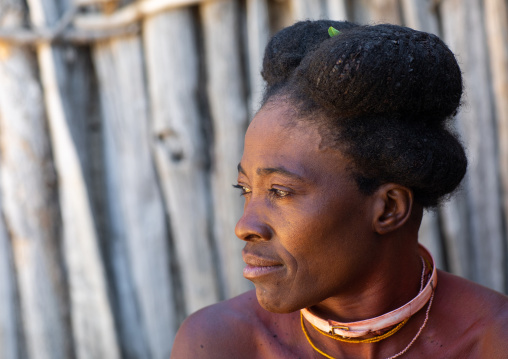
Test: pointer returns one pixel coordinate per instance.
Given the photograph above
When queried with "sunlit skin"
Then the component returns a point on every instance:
(304, 212)
(312, 239)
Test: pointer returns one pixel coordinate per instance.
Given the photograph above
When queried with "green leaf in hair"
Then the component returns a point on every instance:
(333, 31)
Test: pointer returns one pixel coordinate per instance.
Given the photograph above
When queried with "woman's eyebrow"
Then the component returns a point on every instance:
(269, 170)
(279, 170)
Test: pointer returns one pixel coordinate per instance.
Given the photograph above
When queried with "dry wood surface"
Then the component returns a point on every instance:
(121, 126)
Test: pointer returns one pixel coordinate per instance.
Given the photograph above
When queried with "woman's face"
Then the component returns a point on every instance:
(308, 229)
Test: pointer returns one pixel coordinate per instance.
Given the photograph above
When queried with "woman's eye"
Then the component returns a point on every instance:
(244, 189)
(279, 193)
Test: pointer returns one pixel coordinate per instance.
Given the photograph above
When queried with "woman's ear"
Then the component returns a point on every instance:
(392, 207)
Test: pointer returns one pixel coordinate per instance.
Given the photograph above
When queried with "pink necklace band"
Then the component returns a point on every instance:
(365, 327)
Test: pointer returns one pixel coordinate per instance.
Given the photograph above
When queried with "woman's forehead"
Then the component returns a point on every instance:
(275, 139)
(274, 132)
(281, 119)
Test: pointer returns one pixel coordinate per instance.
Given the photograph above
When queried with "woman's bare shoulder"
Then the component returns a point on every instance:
(464, 295)
(223, 330)
(472, 318)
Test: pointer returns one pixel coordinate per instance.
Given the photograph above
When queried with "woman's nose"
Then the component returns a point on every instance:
(253, 224)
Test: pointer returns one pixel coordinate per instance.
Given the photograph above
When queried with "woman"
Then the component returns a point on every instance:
(351, 144)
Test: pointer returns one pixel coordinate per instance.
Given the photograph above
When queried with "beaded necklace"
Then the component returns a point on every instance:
(389, 333)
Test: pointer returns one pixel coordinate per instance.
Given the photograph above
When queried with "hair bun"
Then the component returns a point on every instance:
(289, 46)
(382, 70)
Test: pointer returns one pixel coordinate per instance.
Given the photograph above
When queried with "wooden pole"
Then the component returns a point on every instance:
(178, 143)
(227, 103)
(258, 32)
(92, 317)
(9, 325)
(135, 205)
(457, 235)
(376, 11)
(428, 235)
(337, 9)
(306, 9)
(22, 36)
(130, 326)
(10, 341)
(420, 15)
(130, 14)
(280, 14)
(496, 21)
(30, 210)
(464, 32)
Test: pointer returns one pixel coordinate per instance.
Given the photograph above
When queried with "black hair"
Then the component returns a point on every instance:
(384, 93)
(285, 51)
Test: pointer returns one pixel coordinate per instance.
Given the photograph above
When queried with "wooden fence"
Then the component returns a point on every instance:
(121, 124)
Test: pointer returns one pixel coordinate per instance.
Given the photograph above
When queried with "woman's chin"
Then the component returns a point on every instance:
(275, 302)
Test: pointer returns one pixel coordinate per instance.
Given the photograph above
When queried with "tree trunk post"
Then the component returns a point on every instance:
(92, 317)
(464, 33)
(178, 144)
(227, 103)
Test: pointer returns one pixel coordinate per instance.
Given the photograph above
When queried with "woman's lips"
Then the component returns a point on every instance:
(258, 267)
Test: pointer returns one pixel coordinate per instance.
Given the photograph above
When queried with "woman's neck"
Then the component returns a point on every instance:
(393, 282)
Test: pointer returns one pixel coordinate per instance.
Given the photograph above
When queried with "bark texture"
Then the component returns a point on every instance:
(121, 126)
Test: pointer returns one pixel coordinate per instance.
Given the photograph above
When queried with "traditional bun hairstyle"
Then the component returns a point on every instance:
(384, 94)
(288, 47)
